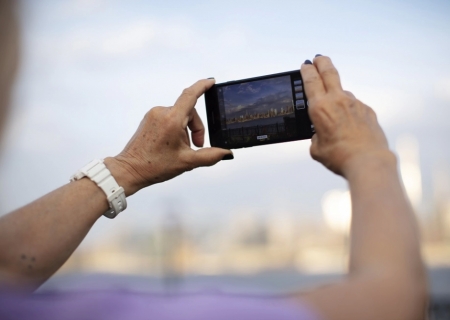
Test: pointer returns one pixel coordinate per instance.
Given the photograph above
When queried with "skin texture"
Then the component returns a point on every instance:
(161, 148)
(386, 279)
(158, 151)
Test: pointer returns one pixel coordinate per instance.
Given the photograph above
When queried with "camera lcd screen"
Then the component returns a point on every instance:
(260, 111)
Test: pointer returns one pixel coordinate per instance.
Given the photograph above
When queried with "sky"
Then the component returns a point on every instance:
(90, 70)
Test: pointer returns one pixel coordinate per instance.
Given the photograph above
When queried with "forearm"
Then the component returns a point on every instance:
(386, 278)
(37, 239)
(384, 231)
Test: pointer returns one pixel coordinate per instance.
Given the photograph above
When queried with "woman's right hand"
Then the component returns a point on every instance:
(347, 131)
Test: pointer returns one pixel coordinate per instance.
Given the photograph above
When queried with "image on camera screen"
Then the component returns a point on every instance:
(259, 110)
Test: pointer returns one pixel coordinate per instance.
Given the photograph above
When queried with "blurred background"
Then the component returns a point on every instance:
(272, 220)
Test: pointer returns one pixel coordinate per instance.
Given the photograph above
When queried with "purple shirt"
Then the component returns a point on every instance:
(115, 305)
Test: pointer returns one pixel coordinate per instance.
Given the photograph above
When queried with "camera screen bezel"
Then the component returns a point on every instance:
(216, 117)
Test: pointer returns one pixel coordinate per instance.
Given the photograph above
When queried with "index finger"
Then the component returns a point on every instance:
(197, 128)
(186, 102)
(312, 81)
(328, 72)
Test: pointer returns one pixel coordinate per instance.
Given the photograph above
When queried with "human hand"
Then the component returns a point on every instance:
(347, 131)
(161, 149)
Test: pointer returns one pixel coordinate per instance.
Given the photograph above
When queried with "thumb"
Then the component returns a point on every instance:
(206, 157)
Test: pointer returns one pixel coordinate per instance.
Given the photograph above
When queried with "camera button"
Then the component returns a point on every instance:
(299, 95)
(300, 104)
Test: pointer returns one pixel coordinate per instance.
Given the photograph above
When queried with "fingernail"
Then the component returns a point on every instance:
(318, 55)
(210, 78)
(229, 156)
(308, 62)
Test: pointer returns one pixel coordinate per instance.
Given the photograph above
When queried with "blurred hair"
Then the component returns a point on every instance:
(9, 50)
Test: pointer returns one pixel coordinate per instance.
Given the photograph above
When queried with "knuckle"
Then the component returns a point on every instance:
(152, 113)
(349, 94)
(148, 114)
(317, 107)
(371, 112)
(311, 79)
(168, 118)
(188, 92)
(344, 100)
(166, 126)
(163, 115)
(330, 71)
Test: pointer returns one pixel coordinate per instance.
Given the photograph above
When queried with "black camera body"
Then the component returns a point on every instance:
(258, 111)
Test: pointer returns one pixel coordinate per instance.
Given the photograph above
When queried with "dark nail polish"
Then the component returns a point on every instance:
(318, 55)
(308, 62)
(229, 156)
(210, 78)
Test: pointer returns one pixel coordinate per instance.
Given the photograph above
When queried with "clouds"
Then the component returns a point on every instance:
(261, 105)
(97, 31)
(104, 40)
(276, 101)
(257, 96)
(132, 38)
(248, 88)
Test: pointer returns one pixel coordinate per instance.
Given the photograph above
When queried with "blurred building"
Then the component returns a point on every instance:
(254, 241)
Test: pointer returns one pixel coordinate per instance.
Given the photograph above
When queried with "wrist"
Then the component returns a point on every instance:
(373, 162)
(123, 175)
